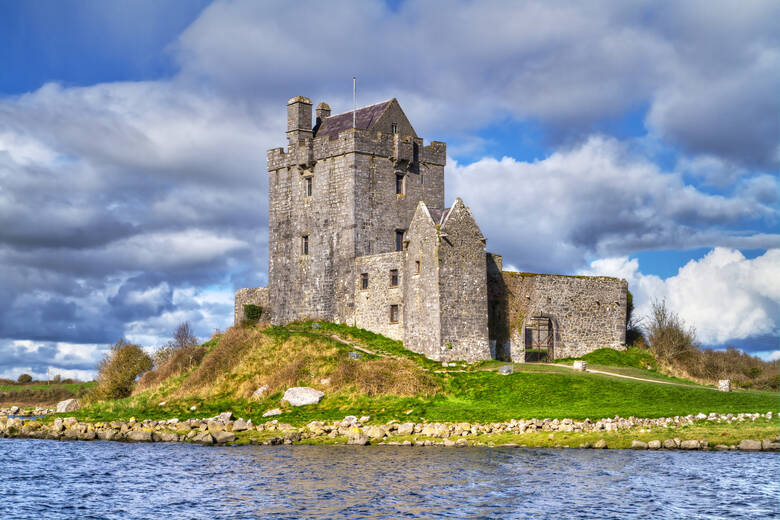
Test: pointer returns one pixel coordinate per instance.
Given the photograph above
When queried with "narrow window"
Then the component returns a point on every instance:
(399, 183)
(394, 126)
(417, 267)
(393, 277)
(394, 314)
(399, 240)
(308, 186)
(364, 281)
(305, 244)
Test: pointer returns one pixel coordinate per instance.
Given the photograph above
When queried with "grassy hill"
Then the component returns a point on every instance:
(393, 383)
(40, 394)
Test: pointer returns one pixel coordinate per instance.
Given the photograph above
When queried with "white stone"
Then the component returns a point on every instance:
(68, 405)
(302, 395)
(260, 392)
(272, 412)
(724, 385)
(581, 365)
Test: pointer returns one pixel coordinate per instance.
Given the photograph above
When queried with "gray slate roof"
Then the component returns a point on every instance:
(365, 117)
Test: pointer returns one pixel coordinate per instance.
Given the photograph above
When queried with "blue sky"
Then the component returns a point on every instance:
(637, 140)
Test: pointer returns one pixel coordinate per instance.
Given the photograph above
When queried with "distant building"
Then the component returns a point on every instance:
(359, 234)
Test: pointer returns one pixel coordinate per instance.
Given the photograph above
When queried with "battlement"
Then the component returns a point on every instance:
(403, 150)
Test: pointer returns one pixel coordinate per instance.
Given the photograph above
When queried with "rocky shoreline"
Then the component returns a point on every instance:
(226, 429)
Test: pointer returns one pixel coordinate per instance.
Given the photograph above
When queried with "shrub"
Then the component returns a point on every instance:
(118, 371)
(179, 355)
(669, 338)
(24, 379)
(384, 377)
(252, 313)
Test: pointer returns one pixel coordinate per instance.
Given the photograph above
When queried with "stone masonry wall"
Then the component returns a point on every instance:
(372, 305)
(422, 326)
(257, 296)
(587, 313)
(463, 287)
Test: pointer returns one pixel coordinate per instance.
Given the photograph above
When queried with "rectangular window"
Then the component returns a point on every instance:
(394, 127)
(305, 245)
(399, 239)
(399, 183)
(394, 314)
(393, 277)
(309, 186)
(364, 281)
(417, 267)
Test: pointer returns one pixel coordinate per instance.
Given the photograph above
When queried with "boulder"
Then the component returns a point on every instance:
(690, 445)
(240, 426)
(749, 445)
(654, 445)
(13, 410)
(359, 439)
(139, 436)
(770, 445)
(600, 444)
(223, 437)
(203, 438)
(406, 428)
(638, 445)
(68, 405)
(225, 417)
(272, 412)
(724, 385)
(505, 369)
(581, 365)
(302, 396)
(260, 392)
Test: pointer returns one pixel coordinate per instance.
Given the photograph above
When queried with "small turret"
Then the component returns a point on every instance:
(298, 119)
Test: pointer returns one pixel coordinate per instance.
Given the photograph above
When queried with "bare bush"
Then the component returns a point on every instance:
(118, 371)
(669, 338)
(384, 377)
(179, 355)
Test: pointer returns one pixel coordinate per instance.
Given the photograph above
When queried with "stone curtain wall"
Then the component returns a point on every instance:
(588, 313)
(372, 306)
(257, 296)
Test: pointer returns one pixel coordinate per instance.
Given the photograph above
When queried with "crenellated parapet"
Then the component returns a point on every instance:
(404, 151)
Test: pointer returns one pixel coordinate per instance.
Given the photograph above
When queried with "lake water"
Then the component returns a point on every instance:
(106, 480)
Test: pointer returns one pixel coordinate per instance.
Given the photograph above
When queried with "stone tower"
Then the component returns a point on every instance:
(338, 193)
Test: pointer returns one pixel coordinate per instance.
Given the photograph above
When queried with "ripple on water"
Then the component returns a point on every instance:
(59, 480)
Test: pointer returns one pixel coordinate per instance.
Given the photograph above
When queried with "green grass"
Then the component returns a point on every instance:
(41, 393)
(478, 395)
(631, 357)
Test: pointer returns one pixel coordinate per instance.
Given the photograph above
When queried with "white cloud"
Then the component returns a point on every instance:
(724, 295)
(599, 199)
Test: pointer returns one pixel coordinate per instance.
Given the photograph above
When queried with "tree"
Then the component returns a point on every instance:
(119, 369)
(24, 379)
(669, 337)
(183, 339)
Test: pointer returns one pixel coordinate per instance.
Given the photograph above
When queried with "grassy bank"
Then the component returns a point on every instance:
(401, 385)
(41, 394)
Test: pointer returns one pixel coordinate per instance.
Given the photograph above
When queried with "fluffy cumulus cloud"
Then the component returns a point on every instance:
(128, 207)
(724, 295)
(601, 199)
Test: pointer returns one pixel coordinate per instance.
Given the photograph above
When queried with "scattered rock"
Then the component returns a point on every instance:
(358, 439)
(721, 447)
(272, 412)
(690, 445)
(15, 410)
(749, 445)
(406, 428)
(325, 381)
(600, 444)
(638, 445)
(68, 405)
(316, 325)
(240, 426)
(505, 369)
(225, 417)
(260, 392)
(654, 445)
(193, 408)
(354, 355)
(364, 419)
(203, 438)
(302, 396)
(724, 385)
(223, 437)
(139, 436)
(770, 445)
(162, 403)
(669, 444)
(581, 365)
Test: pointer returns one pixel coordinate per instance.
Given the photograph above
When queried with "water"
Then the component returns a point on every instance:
(106, 480)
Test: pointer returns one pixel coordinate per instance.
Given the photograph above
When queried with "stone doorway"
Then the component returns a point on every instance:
(539, 340)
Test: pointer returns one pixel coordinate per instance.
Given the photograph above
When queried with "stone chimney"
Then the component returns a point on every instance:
(323, 111)
(298, 119)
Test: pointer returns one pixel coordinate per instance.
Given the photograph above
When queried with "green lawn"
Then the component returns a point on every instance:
(41, 393)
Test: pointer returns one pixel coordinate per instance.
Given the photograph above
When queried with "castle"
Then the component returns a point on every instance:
(358, 233)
